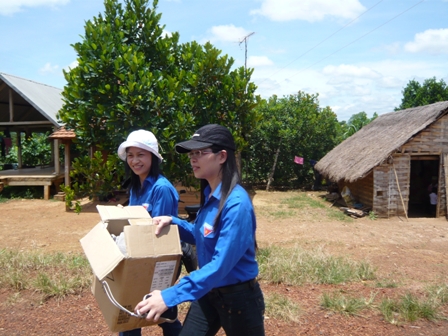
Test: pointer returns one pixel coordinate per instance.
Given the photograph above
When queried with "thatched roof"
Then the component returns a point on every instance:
(62, 134)
(356, 156)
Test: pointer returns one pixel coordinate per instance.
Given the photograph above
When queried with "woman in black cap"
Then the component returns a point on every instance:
(224, 290)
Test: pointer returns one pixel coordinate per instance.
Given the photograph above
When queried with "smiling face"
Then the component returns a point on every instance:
(139, 160)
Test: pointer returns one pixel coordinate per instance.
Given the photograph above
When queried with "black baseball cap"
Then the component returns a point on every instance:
(207, 136)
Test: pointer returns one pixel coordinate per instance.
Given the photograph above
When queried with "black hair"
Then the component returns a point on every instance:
(134, 183)
(230, 178)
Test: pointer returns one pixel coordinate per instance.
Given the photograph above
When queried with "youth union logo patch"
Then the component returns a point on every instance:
(207, 229)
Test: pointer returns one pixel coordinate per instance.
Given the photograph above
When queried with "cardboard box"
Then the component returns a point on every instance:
(151, 262)
(117, 217)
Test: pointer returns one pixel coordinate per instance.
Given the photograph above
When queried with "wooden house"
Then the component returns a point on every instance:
(28, 107)
(389, 164)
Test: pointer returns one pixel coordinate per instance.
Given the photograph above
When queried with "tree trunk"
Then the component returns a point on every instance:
(271, 174)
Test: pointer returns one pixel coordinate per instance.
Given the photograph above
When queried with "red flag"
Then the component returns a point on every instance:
(298, 160)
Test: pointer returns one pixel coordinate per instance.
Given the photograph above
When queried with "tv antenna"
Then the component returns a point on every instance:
(245, 38)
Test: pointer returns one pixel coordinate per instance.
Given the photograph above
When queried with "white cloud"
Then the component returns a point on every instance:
(72, 65)
(362, 90)
(350, 71)
(254, 61)
(433, 41)
(309, 10)
(228, 33)
(49, 69)
(390, 82)
(9, 7)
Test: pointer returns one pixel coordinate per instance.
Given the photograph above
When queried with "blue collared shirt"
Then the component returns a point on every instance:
(160, 196)
(226, 256)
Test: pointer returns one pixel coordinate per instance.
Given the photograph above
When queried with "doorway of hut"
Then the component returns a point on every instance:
(424, 176)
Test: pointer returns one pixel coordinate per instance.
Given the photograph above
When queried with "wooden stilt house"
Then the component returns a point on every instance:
(389, 164)
(28, 107)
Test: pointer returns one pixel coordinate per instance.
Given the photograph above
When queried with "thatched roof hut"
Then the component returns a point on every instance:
(419, 133)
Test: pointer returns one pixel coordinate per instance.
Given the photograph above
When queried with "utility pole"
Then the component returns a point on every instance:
(245, 38)
(239, 158)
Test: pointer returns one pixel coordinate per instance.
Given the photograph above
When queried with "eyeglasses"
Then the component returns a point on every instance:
(198, 153)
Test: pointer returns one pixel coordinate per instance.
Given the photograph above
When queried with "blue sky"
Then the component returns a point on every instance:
(357, 55)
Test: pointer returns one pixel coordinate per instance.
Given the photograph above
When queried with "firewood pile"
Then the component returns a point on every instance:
(356, 211)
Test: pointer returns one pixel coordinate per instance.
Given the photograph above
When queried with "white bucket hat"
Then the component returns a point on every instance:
(141, 139)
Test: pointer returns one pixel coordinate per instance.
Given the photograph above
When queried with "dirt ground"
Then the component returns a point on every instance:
(411, 253)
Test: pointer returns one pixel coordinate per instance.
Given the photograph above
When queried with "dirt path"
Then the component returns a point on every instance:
(413, 253)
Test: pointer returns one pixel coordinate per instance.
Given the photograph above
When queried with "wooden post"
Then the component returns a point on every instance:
(46, 192)
(11, 106)
(67, 163)
(19, 149)
(57, 168)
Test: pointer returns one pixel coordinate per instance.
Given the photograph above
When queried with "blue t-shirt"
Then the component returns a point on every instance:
(226, 256)
(160, 196)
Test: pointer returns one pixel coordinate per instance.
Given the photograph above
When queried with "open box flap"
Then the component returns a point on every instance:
(112, 212)
(101, 251)
(140, 221)
(141, 241)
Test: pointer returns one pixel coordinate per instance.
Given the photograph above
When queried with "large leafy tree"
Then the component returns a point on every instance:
(291, 126)
(130, 75)
(416, 94)
(120, 70)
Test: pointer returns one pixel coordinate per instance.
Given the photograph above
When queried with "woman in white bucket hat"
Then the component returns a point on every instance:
(148, 187)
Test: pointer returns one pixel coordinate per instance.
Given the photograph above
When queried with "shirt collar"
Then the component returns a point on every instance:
(216, 194)
(150, 180)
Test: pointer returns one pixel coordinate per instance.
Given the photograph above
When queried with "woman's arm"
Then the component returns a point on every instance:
(231, 258)
(185, 227)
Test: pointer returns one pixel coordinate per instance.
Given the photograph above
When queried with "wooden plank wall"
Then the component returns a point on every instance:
(399, 190)
(443, 209)
(441, 194)
(381, 190)
(432, 141)
(387, 201)
(362, 190)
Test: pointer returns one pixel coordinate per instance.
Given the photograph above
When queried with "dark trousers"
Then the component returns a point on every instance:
(169, 329)
(239, 312)
(433, 209)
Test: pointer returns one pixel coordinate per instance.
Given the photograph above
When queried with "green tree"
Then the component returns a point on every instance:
(215, 94)
(36, 150)
(120, 83)
(291, 126)
(131, 76)
(416, 94)
(355, 123)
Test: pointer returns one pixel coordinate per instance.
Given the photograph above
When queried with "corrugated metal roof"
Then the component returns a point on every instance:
(44, 98)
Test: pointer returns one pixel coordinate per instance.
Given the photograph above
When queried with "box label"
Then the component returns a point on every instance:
(124, 317)
(163, 275)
